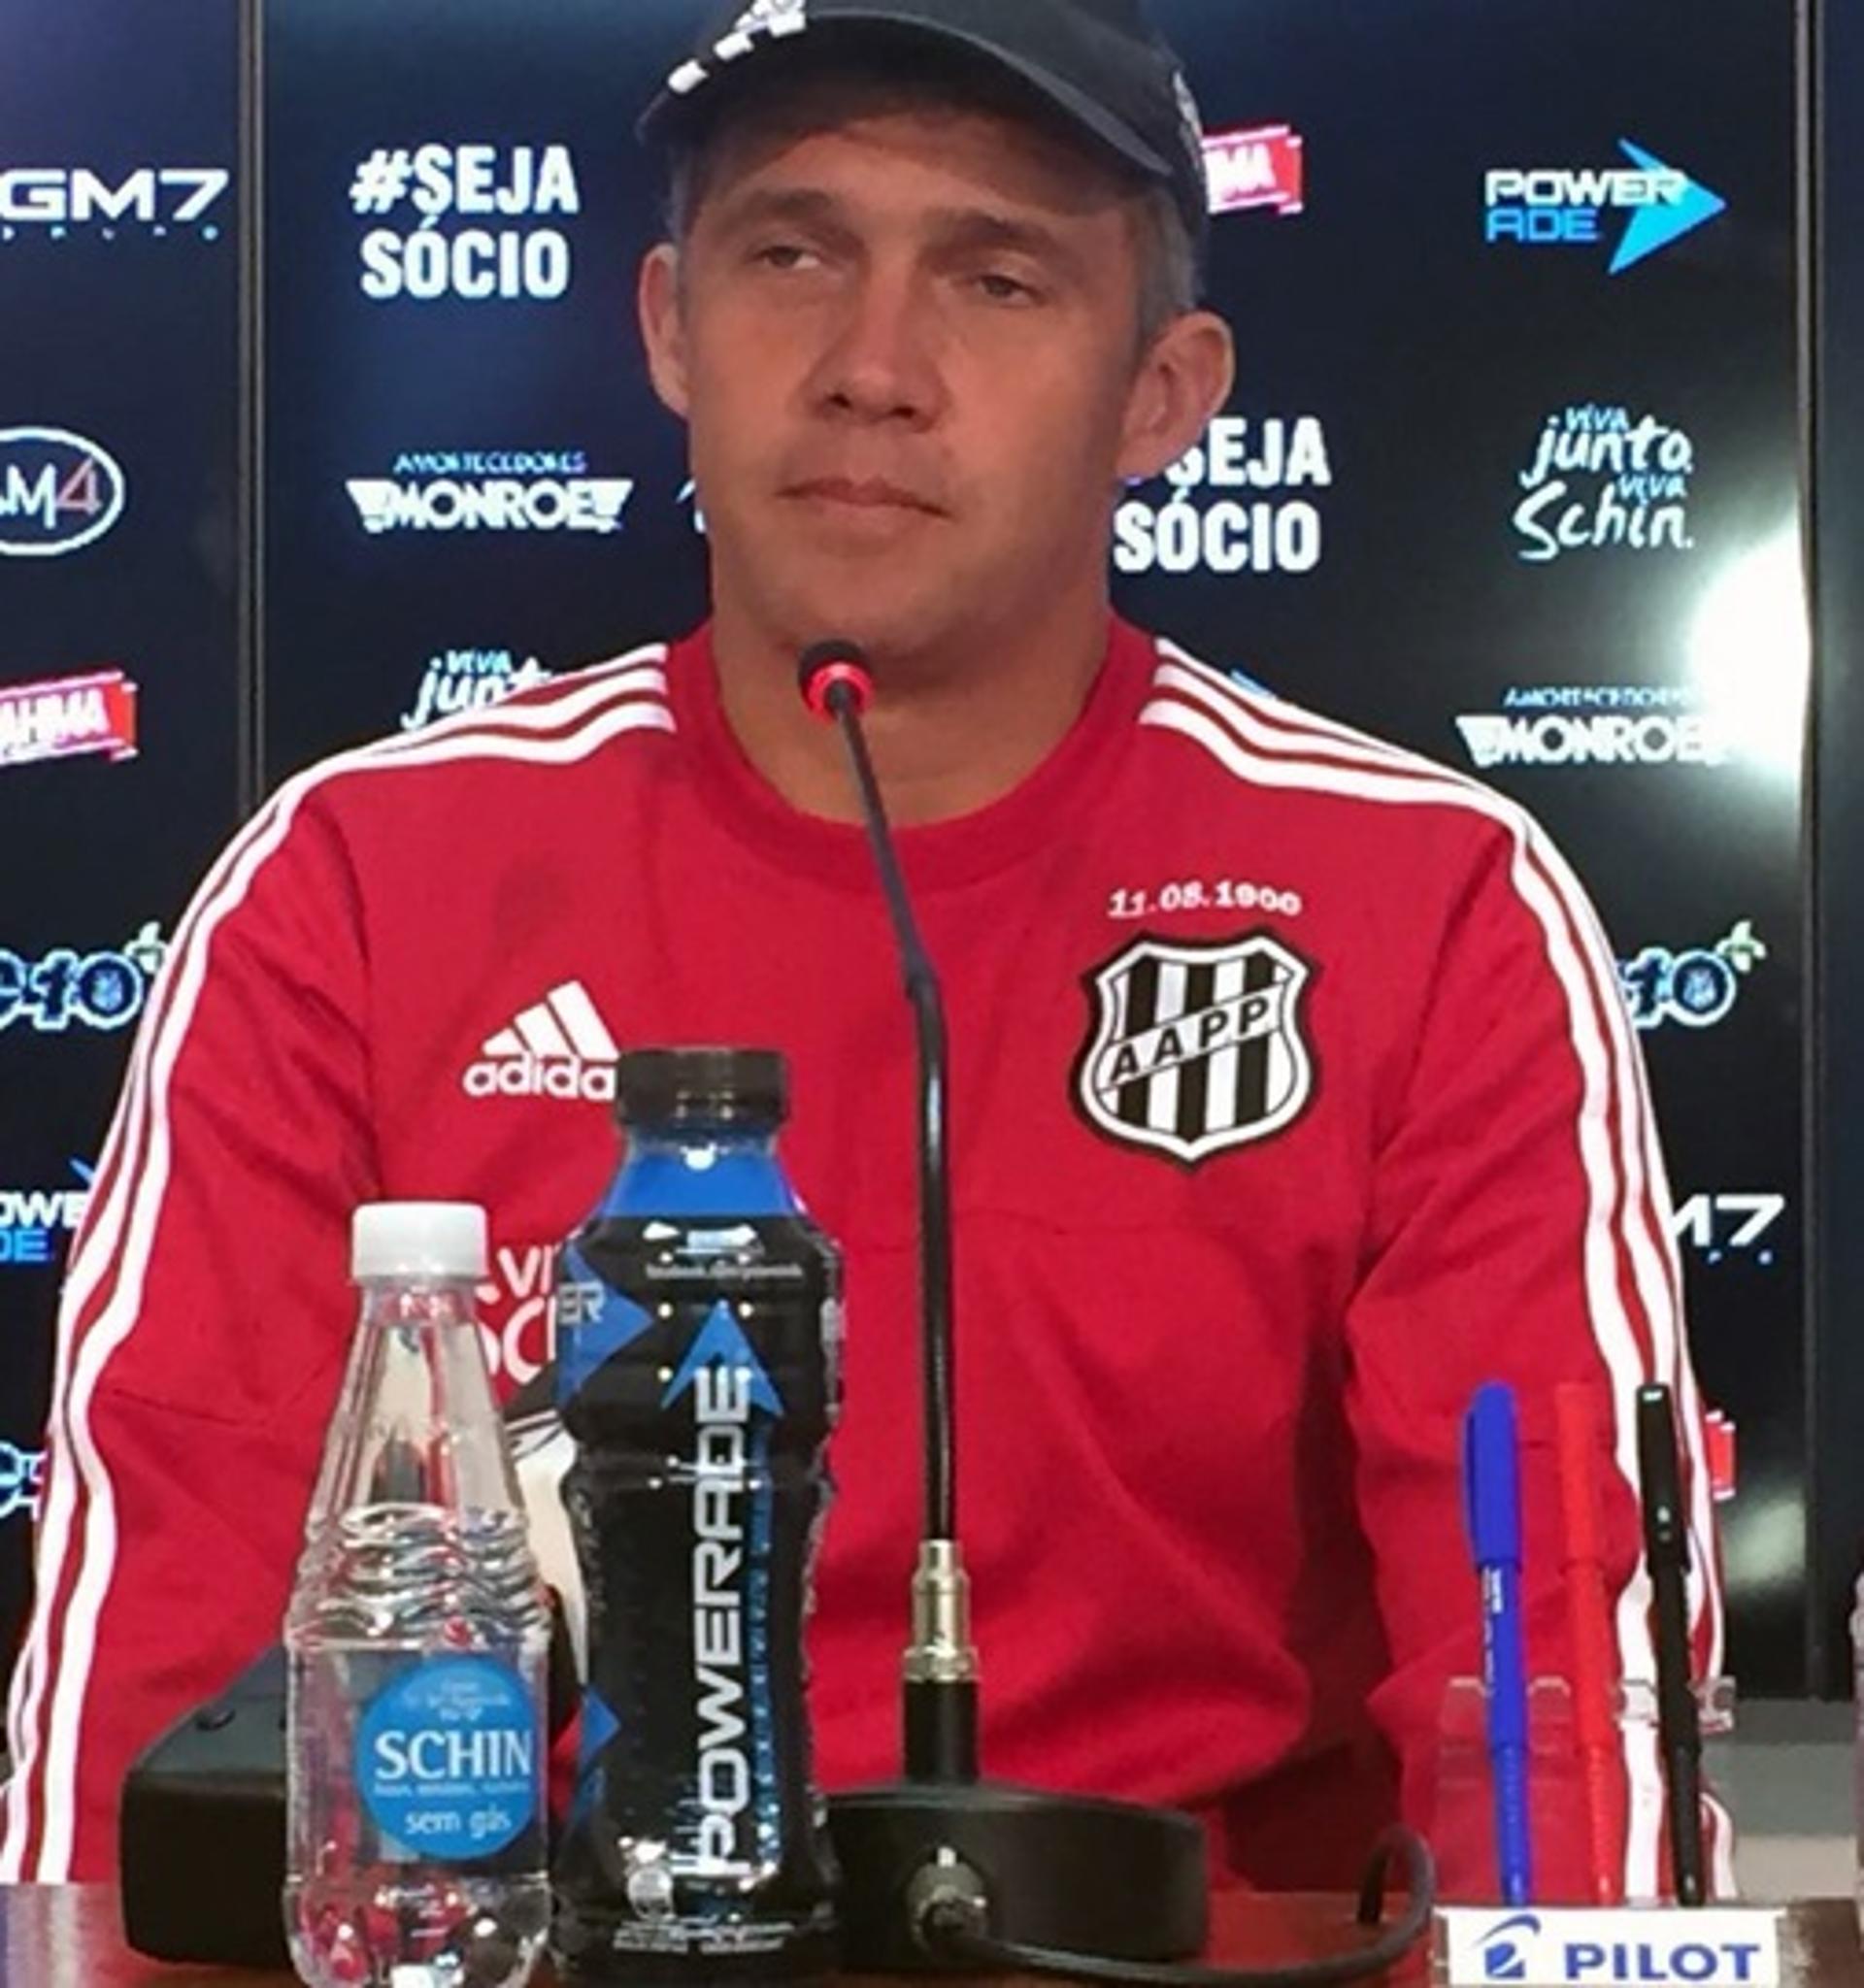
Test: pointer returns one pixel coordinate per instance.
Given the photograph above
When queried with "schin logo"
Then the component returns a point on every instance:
(1197, 1048)
(58, 493)
(1600, 480)
(763, 17)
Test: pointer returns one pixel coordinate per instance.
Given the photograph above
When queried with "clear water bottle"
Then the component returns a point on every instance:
(698, 1372)
(417, 1641)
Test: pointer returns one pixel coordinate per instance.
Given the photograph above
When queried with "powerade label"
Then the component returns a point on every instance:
(698, 1371)
(448, 1759)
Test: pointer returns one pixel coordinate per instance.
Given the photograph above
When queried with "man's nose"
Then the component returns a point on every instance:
(882, 362)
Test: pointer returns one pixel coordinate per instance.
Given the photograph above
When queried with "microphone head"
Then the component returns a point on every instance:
(835, 666)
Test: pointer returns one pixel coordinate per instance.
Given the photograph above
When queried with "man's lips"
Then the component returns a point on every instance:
(864, 493)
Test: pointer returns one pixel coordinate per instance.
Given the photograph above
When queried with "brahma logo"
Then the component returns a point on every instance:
(560, 1048)
(1265, 166)
(58, 493)
(63, 716)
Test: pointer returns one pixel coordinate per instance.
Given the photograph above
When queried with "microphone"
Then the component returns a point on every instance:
(944, 1858)
(941, 1664)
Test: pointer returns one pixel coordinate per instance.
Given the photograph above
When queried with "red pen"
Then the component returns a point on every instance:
(1593, 1649)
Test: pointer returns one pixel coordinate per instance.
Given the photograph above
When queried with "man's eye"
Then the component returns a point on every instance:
(1005, 289)
(785, 255)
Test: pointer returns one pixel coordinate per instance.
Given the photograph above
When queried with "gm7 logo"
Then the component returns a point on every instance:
(1697, 989)
(1719, 1226)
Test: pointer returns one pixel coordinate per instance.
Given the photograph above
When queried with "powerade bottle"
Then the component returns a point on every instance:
(699, 1375)
(417, 1638)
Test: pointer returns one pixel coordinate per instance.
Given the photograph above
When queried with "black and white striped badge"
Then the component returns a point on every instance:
(1197, 1047)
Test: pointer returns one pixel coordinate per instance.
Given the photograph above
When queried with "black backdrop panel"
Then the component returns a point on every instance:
(1372, 530)
(120, 699)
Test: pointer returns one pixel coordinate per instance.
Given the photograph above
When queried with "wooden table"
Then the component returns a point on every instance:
(71, 1936)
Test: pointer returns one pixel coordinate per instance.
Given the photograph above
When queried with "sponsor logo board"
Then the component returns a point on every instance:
(59, 492)
(61, 718)
(1572, 206)
(1593, 724)
(1599, 480)
(1262, 167)
(496, 490)
(65, 203)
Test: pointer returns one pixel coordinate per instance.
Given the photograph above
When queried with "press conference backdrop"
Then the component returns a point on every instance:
(1508, 478)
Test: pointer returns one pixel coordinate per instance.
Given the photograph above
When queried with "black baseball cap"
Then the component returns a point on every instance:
(1101, 63)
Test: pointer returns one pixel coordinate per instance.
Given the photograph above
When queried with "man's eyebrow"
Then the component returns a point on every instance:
(759, 206)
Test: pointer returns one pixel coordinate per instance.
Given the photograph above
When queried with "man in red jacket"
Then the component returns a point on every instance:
(1292, 1091)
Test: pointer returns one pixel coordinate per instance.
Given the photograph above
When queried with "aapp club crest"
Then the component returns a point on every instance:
(1197, 1047)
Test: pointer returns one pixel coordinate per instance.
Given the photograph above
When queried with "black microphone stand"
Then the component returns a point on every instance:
(943, 1853)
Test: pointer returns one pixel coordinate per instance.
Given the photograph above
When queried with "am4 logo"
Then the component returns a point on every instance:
(1720, 1226)
(1697, 989)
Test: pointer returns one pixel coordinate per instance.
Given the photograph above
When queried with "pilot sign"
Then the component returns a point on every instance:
(1197, 1047)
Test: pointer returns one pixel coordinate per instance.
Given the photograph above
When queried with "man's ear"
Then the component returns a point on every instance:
(1182, 384)
(663, 327)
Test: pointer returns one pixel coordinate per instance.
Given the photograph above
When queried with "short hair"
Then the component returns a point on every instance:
(871, 71)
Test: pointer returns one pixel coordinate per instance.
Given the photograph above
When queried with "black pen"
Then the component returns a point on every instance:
(1665, 1552)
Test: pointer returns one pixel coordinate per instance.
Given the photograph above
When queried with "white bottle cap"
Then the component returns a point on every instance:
(418, 1238)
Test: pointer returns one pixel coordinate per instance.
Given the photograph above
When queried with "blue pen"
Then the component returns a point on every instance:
(1492, 1510)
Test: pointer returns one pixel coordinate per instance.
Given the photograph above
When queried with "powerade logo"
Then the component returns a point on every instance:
(1599, 478)
(33, 1220)
(487, 185)
(728, 1382)
(501, 490)
(58, 493)
(64, 988)
(1236, 503)
(1717, 1946)
(1566, 206)
(22, 1477)
(53, 203)
(1597, 725)
(1697, 987)
(460, 680)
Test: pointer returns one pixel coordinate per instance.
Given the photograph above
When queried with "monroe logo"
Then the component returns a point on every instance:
(542, 491)
(1599, 478)
(50, 201)
(1196, 1048)
(58, 493)
(1598, 725)
(1563, 206)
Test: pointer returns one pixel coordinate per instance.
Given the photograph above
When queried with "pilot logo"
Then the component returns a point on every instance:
(560, 1048)
(1196, 1047)
(1506, 1945)
(1560, 207)
(503, 490)
(58, 493)
(1598, 479)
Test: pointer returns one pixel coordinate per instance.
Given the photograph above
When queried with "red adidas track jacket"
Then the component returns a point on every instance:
(1292, 1100)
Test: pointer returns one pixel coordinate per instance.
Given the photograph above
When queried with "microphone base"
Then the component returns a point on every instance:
(1073, 1872)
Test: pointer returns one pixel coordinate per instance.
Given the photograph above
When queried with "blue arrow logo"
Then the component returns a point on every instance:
(721, 1343)
(1662, 221)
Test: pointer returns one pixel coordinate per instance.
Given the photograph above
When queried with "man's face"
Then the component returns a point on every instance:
(907, 350)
